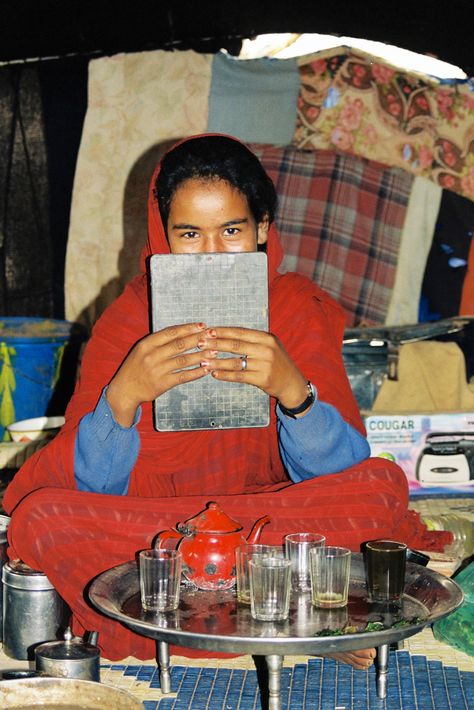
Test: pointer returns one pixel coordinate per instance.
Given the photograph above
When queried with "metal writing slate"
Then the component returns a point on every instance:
(222, 289)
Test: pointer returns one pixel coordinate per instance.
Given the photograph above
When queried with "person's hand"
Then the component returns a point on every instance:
(153, 366)
(268, 365)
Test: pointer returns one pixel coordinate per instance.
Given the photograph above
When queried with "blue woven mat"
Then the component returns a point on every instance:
(415, 683)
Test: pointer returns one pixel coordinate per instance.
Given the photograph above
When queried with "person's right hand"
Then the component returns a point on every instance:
(153, 366)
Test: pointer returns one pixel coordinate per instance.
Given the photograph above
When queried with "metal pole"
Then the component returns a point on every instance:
(164, 666)
(382, 670)
(274, 665)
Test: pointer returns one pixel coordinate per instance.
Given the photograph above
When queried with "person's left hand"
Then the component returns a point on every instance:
(269, 366)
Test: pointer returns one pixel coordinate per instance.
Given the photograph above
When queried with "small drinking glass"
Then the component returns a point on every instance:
(297, 547)
(330, 575)
(270, 587)
(385, 562)
(243, 554)
(160, 576)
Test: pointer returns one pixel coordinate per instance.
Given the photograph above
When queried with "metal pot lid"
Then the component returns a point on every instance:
(71, 649)
(210, 520)
(17, 574)
(66, 650)
(61, 651)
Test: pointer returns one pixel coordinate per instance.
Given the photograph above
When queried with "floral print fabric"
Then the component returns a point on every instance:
(353, 102)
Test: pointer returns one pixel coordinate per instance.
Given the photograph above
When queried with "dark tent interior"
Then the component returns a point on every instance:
(52, 27)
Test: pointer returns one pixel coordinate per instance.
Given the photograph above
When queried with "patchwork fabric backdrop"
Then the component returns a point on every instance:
(373, 149)
(355, 102)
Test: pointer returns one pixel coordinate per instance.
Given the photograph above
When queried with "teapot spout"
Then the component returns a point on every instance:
(256, 530)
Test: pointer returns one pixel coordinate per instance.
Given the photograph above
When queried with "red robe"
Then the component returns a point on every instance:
(72, 535)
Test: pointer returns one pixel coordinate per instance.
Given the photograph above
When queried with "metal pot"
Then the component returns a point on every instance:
(69, 693)
(71, 658)
(208, 542)
(33, 611)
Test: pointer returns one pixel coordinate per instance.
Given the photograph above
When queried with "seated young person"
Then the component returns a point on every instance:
(109, 482)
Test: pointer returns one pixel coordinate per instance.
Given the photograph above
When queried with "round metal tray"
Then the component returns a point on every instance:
(216, 621)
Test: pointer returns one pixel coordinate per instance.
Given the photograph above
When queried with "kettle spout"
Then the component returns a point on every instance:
(256, 530)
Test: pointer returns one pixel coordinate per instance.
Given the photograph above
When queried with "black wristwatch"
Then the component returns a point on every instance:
(293, 411)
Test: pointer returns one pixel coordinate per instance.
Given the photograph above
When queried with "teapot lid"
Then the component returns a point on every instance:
(213, 519)
(73, 648)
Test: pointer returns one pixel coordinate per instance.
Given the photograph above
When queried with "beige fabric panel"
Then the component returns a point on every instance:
(138, 104)
(415, 244)
(431, 378)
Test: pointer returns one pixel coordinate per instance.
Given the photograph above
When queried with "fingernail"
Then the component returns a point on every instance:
(201, 344)
(215, 373)
(204, 363)
(201, 326)
(213, 353)
(212, 333)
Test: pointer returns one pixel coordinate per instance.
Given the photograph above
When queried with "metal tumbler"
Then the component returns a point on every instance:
(33, 611)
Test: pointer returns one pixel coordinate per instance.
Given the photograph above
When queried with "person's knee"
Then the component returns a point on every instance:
(36, 509)
(388, 470)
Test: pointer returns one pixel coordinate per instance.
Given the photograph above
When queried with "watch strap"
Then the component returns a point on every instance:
(293, 411)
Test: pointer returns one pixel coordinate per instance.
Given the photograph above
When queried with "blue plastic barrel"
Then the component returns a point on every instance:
(31, 352)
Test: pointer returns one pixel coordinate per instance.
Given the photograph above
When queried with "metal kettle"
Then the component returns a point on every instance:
(71, 658)
(208, 542)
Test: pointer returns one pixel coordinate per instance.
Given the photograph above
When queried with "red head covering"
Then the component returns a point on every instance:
(157, 242)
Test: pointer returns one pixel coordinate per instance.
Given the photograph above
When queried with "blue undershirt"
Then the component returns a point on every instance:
(317, 444)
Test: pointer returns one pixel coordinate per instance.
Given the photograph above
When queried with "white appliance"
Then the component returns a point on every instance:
(447, 459)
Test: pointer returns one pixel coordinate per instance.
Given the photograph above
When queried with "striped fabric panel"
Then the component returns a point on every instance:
(340, 218)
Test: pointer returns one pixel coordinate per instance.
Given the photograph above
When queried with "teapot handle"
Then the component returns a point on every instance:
(166, 535)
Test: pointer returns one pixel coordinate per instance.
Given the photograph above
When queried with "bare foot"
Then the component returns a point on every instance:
(359, 660)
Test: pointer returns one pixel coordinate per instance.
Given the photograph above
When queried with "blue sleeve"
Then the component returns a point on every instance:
(319, 443)
(105, 452)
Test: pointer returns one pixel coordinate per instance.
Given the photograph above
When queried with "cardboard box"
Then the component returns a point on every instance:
(436, 451)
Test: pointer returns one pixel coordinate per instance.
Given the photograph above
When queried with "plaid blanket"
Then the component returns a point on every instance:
(340, 219)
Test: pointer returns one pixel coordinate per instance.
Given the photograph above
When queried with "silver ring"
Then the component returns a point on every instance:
(243, 362)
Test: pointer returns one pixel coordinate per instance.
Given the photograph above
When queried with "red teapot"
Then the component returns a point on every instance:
(207, 543)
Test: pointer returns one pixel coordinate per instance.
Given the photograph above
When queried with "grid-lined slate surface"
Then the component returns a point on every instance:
(228, 289)
(415, 683)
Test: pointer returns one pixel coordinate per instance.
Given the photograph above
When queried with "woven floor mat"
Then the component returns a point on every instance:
(414, 683)
(440, 506)
(425, 644)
